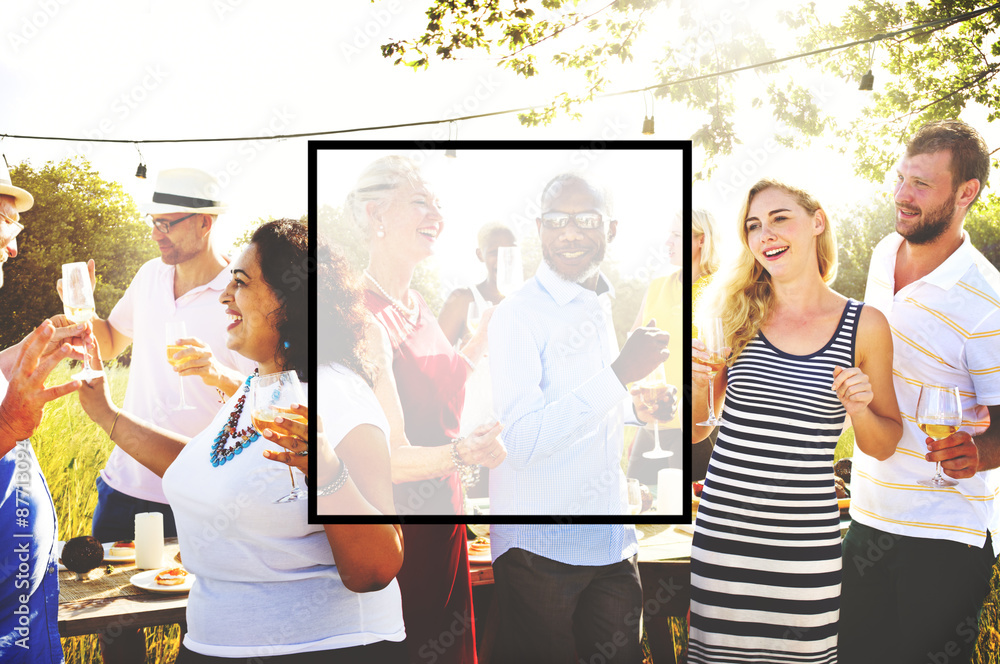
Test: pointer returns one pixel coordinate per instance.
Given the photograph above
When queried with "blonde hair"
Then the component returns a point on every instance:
(742, 295)
(703, 224)
(377, 183)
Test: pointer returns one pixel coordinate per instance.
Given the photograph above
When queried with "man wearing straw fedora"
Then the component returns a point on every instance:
(29, 586)
(182, 286)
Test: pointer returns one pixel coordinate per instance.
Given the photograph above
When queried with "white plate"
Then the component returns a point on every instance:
(482, 557)
(147, 581)
(108, 558)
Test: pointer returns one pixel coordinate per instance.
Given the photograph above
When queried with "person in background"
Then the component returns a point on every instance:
(917, 559)
(29, 630)
(704, 263)
(421, 387)
(454, 322)
(269, 587)
(765, 558)
(565, 591)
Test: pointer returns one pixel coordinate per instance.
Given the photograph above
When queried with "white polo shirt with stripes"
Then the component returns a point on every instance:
(945, 329)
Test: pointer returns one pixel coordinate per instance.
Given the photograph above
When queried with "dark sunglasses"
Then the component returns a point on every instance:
(583, 220)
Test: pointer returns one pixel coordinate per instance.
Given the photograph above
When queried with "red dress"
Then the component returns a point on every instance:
(434, 580)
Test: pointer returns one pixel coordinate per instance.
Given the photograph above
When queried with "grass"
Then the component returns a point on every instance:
(71, 451)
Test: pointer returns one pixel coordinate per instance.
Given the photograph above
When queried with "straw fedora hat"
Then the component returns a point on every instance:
(185, 190)
(22, 199)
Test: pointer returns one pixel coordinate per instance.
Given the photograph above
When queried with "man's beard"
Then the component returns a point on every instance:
(935, 222)
(586, 273)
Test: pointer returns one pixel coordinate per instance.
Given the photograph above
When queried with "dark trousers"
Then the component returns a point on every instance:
(556, 613)
(381, 652)
(114, 516)
(910, 600)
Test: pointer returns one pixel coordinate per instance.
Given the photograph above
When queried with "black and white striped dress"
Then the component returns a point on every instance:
(765, 563)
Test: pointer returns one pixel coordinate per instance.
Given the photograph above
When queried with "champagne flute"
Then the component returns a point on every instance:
(652, 389)
(272, 396)
(510, 273)
(78, 305)
(939, 414)
(177, 330)
(714, 340)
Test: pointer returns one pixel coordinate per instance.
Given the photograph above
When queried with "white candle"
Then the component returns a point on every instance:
(669, 495)
(149, 540)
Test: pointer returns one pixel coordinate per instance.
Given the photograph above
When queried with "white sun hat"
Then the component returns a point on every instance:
(22, 199)
(185, 190)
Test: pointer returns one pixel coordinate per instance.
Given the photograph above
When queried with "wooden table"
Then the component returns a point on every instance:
(665, 572)
(109, 615)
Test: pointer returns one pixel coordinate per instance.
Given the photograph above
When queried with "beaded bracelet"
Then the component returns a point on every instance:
(467, 473)
(337, 484)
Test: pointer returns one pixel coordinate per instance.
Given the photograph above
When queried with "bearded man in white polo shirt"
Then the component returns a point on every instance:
(918, 559)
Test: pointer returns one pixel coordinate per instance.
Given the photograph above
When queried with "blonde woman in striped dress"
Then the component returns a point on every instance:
(766, 557)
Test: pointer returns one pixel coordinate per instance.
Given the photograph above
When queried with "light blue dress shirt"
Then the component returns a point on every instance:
(562, 407)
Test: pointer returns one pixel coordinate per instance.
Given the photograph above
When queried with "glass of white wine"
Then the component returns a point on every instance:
(78, 305)
(939, 414)
(714, 339)
(177, 330)
(510, 272)
(474, 316)
(652, 389)
(272, 396)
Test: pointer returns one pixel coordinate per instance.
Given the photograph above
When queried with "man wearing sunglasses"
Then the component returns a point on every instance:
(182, 285)
(559, 390)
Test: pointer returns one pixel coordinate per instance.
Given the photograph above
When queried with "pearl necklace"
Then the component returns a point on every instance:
(221, 453)
(410, 313)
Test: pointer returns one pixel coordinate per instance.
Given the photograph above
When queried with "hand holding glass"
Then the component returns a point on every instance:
(272, 396)
(714, 339)
(652, 389)
(939, 414)
(78, 305)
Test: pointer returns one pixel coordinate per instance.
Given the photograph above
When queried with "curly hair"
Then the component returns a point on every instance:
(283, 253)
(742, 295)
(342, 313)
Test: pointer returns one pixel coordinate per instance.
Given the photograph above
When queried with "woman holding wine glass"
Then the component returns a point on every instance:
(421, 386)
(268, 584)
(801, 357)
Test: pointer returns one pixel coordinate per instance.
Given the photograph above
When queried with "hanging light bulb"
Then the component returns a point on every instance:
(451, 152)
(867, 81)
(140, 172)
(647, 122)
(647, 127)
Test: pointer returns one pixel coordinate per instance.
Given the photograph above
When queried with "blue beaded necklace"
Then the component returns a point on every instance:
(241, 439)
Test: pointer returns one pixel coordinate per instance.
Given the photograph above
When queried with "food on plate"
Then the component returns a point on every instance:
(172, 577)
(842, 469)
(647, 497)
(698, 486)
(480, 545)
(841, 488)
(82, 554)
(122, 549)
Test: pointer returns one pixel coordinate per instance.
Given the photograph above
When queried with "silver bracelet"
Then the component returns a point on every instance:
(466, 358)
(337, 484)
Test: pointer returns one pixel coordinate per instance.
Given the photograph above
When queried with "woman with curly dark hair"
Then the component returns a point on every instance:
(268, 584)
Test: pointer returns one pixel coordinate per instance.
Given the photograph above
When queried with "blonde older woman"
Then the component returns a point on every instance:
(421, 386)
(767, 535)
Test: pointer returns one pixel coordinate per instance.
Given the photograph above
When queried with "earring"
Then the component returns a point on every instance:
(380, 233)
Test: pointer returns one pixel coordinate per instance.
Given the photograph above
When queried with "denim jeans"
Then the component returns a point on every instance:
(114, 516)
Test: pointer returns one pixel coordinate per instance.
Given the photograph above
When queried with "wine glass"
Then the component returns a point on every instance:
(272, 395)
(939, 414)
(510, 273)
(177, 330)
(634, 496)
(714, 339)
(78, 305)
(474, 316)
(652, 389)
